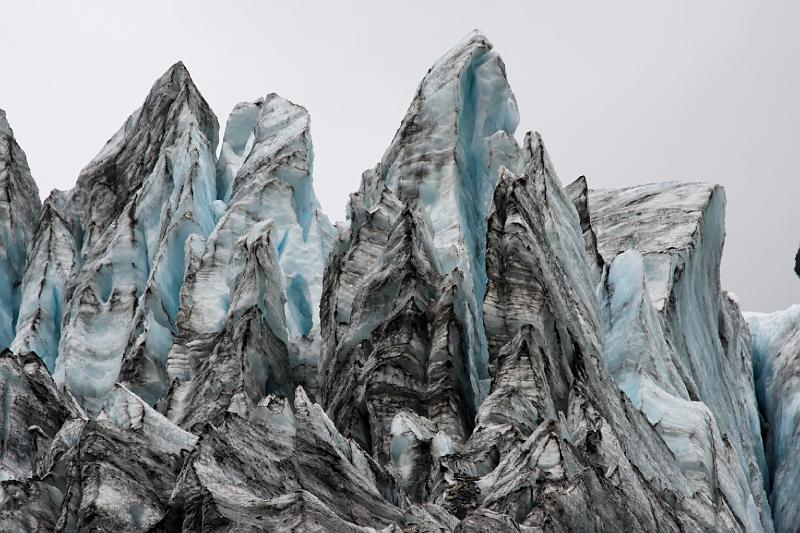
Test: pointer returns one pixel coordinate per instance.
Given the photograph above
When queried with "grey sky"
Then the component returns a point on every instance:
(624, 92)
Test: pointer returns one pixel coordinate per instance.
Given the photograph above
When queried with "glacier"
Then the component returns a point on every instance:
(696, 382)
(265, 174)
(776, 338)
(189, 344)
(19, 210)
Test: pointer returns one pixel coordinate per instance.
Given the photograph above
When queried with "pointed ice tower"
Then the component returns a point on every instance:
(19, 215)
(132, 210)
(52, 261)
(248, 358)
(265, 171)
(444, 160)
(265, 183)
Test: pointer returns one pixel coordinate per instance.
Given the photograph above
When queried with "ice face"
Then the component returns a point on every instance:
(19, 215)
(636, 351)
(674, 335)
(648, 370)
(667, 216)
(776, 345)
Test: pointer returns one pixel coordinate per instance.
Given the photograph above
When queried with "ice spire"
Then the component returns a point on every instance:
(445, 160)
(52, 262)
(264, 175)
(133, 208)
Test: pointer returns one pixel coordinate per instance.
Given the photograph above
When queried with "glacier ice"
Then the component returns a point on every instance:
(32, 413)
(52, 261)
(776, 342)
(445, 157)
(646, 368)
(19, 213)
(192, 346)
(242, 466)
(265, 168)
(104, 297)
(114, 471)
(677, 231)
(420, 211)
(249, 357)
(133, 206)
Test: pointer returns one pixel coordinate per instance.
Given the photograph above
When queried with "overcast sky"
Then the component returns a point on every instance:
(623, 92)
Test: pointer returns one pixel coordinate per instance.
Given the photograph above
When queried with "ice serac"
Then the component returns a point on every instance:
(776, 357)
(577, 454)
(264, 176)
(275, 158)
(19, 215)
(132, 210)
(578, 192)
(441, 165)
(566, 414)
(52, 261)
(248, 358)
(676, 343)
(405, 349)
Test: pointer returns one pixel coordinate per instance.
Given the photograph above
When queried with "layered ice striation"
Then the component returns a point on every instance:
(487, 349)
(33, 411)
(52, 262)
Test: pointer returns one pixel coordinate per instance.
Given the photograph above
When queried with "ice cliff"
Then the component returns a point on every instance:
(776, 356)
(19, 211)
(190, 345)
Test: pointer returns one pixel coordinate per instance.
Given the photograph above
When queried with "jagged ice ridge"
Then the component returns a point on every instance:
(190, 345)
